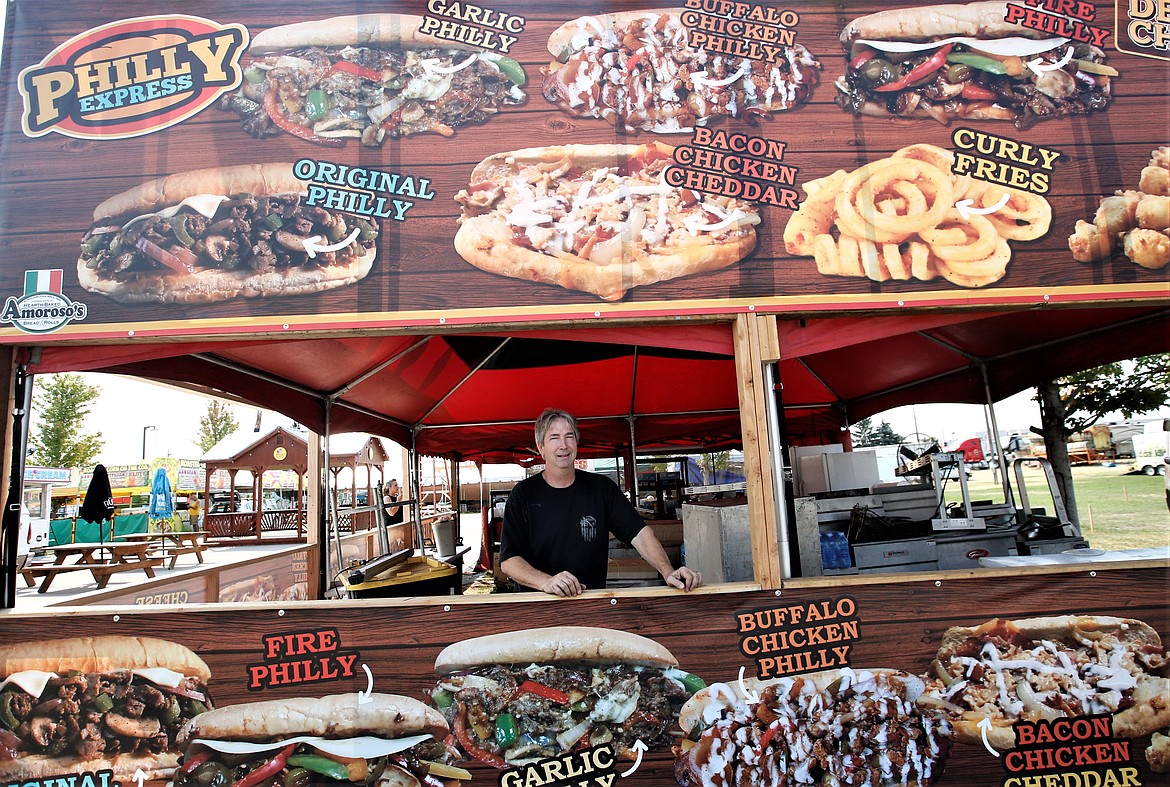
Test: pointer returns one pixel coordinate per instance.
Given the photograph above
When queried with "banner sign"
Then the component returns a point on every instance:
(191, 475)
(248, 169)
(1005, 680)
(56, 475)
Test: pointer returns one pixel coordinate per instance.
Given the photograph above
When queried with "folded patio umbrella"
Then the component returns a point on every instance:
(162, 504)
(98, 505)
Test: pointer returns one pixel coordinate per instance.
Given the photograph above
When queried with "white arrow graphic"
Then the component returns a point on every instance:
(984, 726)
(700, 79)
(139, 777)
(431, 65)
(965, 207)
(748, 694)
(365, 696)
(313, 244)
(639, 747)
(1038, 67)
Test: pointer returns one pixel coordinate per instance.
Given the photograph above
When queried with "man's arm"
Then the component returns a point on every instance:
(563, 584)
(650, 548)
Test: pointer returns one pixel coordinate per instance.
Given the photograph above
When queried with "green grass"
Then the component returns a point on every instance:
(1117, 511)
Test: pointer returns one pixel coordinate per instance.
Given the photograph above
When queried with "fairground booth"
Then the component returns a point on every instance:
(725, 227)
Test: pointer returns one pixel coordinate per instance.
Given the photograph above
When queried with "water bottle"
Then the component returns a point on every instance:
(842, 558)
(828, 553)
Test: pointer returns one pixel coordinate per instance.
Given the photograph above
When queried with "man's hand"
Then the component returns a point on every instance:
(684, 579)
(564, 585)
(650, 548)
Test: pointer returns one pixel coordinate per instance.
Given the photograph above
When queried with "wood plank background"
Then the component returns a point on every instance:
(901, 626)
(53, 183)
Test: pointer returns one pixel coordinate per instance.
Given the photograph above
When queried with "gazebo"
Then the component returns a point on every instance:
(278, 449)
(353, 450)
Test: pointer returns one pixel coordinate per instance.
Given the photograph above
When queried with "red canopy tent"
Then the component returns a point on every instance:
(660, 388)
(839, 370)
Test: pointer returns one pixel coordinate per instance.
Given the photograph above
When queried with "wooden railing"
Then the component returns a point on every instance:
(283, 519)
(231, 524)
(350, 520)
(242, 524)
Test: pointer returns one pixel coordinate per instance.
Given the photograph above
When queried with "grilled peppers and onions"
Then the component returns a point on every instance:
(328, 94)
(302, 763)
(253, 234)
(508, 715)
(958, 80)
(97, 715)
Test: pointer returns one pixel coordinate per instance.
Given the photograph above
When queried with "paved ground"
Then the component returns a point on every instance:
(76, 586)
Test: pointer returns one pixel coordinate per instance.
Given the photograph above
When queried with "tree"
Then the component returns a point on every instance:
(1129, 388)
(1076, 402)
(866, 436)
(217, 423)
(61, 402)
(863, 432)
(716, 461)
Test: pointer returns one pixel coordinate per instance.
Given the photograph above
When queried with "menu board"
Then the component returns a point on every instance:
(216, 168)
(1003, 679)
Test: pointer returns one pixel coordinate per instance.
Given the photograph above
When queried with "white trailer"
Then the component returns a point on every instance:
(1150, 448)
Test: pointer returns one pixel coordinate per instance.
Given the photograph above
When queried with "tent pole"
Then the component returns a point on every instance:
(416, 490)
(10, 523)
(993, 429)
(633, 437)
(772, 410)
(634, 458)
(330, 508)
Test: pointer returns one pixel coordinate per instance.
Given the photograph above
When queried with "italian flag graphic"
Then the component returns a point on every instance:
(42, 281)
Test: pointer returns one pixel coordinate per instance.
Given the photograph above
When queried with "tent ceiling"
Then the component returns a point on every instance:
(893, 361)
(476, 395)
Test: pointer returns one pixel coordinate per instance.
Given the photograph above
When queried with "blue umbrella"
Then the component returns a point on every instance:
(162, 504)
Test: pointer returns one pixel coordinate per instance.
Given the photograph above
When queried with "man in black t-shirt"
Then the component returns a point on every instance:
(557, 524)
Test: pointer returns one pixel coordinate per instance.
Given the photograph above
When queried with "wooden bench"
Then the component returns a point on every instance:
(101, 571)
(169, 544)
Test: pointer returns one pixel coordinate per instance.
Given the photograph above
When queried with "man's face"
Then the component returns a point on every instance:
(559, 448)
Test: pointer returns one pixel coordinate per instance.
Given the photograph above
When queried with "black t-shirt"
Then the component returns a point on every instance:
(568, 529)
(389, 502)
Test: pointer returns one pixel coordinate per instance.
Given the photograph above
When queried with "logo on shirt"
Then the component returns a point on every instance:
(588, 528)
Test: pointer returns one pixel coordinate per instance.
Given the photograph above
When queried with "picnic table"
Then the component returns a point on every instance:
(101, 559)
(170, 543)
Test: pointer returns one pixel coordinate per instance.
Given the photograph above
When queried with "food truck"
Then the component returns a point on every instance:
(718, 226)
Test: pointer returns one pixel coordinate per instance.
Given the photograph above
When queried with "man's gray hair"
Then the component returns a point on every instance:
(547, 417)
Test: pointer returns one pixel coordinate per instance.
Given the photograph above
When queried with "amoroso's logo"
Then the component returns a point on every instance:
(42, 308)
(131, 77)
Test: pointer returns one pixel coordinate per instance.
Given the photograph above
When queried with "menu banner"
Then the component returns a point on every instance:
(1004, 679)
(228, 168)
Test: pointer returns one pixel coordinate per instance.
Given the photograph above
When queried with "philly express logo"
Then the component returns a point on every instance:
(131, 77)
(42, 308)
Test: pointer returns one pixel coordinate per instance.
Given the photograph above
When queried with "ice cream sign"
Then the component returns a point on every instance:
(131, 77)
